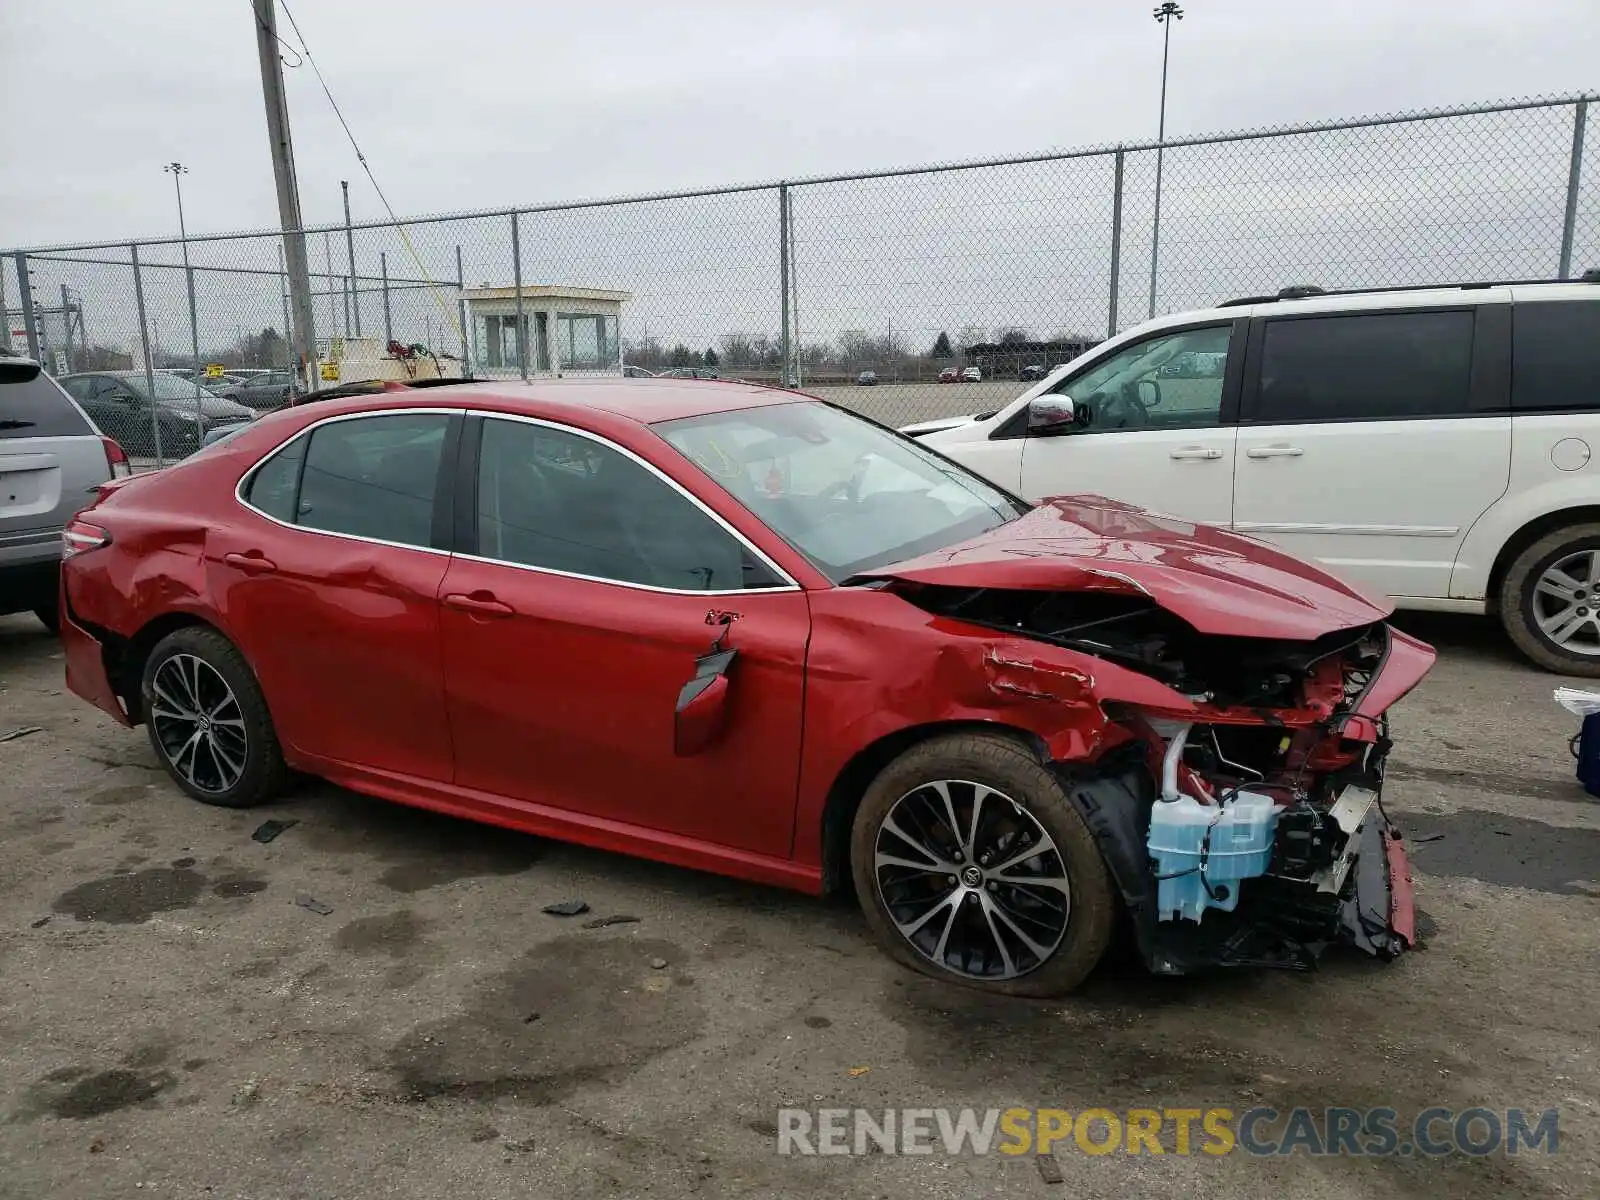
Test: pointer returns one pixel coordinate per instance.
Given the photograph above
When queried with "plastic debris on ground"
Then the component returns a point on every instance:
(566, 908)
(268, 830)
(312, 904)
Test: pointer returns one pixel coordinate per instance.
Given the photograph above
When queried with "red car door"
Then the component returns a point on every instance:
(329, 583)
(570, 634)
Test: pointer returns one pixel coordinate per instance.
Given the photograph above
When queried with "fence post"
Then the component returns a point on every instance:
(25, 292)
(461, 312)
(194, 351)
(66, 328)
(144, 342)
(350, 254)
(1580, 118)
(388, 320)
(283, 294)
(5, 314)
(1116, 247)
(1155, 229)
(520, 340)
(787, 378)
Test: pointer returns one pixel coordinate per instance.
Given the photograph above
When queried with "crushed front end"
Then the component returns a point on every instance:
(1240, 810)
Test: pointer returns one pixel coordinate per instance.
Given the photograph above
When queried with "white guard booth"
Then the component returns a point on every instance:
(565, 331)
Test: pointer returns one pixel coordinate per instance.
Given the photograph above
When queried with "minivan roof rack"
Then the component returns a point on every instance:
(1303, 290)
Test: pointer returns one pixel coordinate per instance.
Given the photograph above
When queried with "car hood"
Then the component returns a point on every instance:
(938, 424)
(211, 406)
(1218, 582)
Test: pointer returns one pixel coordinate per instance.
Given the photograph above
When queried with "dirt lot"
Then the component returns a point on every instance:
(902, 403)
(172, 1024)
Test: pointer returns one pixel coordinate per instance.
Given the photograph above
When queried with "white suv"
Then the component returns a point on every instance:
(1432, 444)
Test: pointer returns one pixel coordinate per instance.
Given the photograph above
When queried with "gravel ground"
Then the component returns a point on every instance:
(173, 1024)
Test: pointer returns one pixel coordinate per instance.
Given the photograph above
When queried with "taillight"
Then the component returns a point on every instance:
(116, 459)
(79, 537)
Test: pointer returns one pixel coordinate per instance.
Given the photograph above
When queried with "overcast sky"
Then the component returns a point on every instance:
(478, 103)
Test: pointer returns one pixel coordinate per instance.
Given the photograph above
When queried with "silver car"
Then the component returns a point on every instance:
(51, 459)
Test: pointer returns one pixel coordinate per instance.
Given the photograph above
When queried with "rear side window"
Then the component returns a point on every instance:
(273, 487)
(35, 407)
(1555, 356)
(370, 477)
(1375, 367)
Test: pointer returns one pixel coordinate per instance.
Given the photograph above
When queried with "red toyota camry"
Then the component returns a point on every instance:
(743, 630)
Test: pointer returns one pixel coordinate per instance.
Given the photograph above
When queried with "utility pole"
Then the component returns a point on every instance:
(304, 333)
(1165, 14)
(350, 255)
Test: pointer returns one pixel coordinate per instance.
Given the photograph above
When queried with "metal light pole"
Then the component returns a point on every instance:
(177, 170)
(1165, 14)
(350, 257)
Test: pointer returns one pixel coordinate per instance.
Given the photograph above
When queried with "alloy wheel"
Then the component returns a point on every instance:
(1566, 602)
(198, 722)
(972, 880)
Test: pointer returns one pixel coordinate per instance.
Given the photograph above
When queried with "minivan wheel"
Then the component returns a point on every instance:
(973, 866)
(1550, 601)
(208, 721)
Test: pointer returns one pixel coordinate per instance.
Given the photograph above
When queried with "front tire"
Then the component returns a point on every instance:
(208, 721)
(49, 616)
(972, 865)
(1550, 601)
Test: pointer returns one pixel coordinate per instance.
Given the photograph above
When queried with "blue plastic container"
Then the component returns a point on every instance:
(1201, 852)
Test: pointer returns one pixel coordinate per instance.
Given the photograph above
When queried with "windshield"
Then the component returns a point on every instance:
(846, 493)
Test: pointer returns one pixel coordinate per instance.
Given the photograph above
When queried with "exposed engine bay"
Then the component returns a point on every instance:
(1248, 829)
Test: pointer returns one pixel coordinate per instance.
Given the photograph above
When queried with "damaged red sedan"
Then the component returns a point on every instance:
(742, 630)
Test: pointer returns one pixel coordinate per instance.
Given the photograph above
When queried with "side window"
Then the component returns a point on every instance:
(1377, 367)
(272, 488)
(1555, 356)
(374, 477)
(552, 499)
(1173, 381)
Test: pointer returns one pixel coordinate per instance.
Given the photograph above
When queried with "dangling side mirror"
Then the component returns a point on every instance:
(702, 704)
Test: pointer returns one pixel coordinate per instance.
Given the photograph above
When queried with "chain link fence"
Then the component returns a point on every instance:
(887, 291)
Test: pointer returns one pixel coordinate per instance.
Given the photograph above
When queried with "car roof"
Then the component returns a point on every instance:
(639, 401)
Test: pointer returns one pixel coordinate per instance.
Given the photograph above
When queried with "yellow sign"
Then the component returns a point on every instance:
(330, 372)
(214, 370)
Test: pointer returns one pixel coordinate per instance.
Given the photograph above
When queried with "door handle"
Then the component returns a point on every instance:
(479, 604)
(1201, 452)
(1279, 451)
(253, 563)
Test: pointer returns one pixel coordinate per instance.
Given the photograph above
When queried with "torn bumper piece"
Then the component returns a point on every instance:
(1278, 921)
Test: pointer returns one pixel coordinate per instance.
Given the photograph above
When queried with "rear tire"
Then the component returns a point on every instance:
(49, 616)
(963, 910)
(208, 721)
(1535, 613)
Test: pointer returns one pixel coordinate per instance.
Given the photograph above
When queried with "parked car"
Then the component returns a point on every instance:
(122, 404)
(1434, 445)
(950, 375)
(691, 373)
(971, 375)
(266, 390)
(658, 588)
(867, 379)
(630, 371)
(51, 459)
(1032, 372)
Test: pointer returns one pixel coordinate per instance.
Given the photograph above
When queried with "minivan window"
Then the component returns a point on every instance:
(1365, 366)
(32, 406)
(1555, 356)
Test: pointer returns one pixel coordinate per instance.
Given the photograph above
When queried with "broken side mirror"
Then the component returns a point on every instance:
(702, 704)
(1051, 416)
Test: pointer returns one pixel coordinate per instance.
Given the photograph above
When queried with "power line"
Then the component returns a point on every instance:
(305, 52)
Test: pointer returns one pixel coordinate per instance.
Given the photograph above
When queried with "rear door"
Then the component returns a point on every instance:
(1158, 429)
(1371, 441)
(328, 578)
(50, 459)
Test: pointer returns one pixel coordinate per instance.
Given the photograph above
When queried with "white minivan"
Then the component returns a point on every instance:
(1432, 444)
